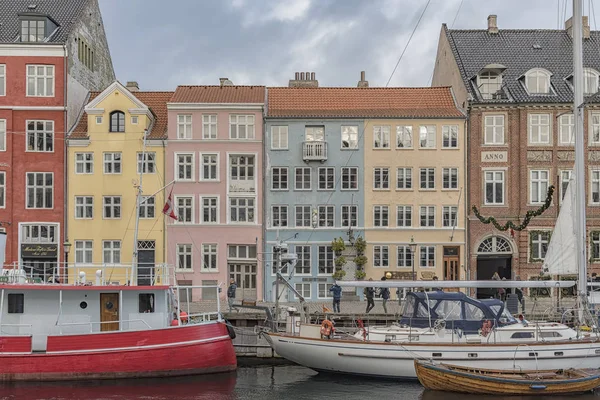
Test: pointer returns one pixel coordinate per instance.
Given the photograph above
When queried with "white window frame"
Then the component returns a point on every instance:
(404, 257)
(2, 135)
(280, 212)
(302, 181)
(301, 289)
(82, 204)
(381, 256)
(2, 80)
(407, 214)
(304, 265)
(84, 251)
(488, 83)
(191, 207)
(249, 122)
(36, 133)
(535, 123)
(210, 251)
(114, 251)
(327, 180)
(177, 163)
(113, 206)
(184, 251)
(134, 120)
(210, 126)
(248, 200)
(566, 129)
(595, 245)
(326, 211)
(427, 137)
(538, 185)
(350, 132)
(541, 79)
(303, 212)
(382, 137)
(35, 188)
(493, 130)
(32, 80)
(429, 256)
(112, 162)
(429, 213)
(381, 216)
(283, 179)
(184, 127)
(595, 187)
(451, 131)
(329, 257)
(594, 129)
(98, 119)
(450, 172)
(83, 162)
(406, 174)
(210, 206)
(379, 174)
(324, 288)
(352, 215)
(147, 203)
(404, 137)
(429, 181)
(278, 133)
(452, 213)
(146, 162)
(590, 81)
(247, 180)
(542, 238)
(565, 177)
(494, 182)
(217, 164)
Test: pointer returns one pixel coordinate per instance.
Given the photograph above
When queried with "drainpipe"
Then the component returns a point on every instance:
(467, 255)
(65, 162)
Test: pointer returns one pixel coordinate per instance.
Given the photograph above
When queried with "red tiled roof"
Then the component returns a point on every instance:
(219, 94)
(426, 102)
(156, 102)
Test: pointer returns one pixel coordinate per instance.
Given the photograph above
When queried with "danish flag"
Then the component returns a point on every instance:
(168, 208)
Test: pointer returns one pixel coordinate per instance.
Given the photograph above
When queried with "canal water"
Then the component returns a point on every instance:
(259, 382)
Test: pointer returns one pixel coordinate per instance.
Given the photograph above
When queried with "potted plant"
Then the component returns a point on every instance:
(360, 245)
(339, 274)
(338, 246)
(359, 274)
(360, 261)
(340, 261)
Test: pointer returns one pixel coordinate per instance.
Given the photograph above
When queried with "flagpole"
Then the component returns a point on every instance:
(155, 193)
(134, 258)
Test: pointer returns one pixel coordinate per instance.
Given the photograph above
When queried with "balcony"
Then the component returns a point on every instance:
(314, 151)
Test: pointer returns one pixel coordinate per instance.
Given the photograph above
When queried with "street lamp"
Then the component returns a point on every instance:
(413, 249)
(66, 248)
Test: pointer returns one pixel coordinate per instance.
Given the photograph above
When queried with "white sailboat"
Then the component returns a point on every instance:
(455, 329)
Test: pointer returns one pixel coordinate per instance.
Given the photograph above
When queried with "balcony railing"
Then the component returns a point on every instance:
(314, 151)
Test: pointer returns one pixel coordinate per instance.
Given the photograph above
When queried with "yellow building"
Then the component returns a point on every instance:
(106, 153)
(415, 188)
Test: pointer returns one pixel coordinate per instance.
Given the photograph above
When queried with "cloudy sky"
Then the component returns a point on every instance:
(165, 43)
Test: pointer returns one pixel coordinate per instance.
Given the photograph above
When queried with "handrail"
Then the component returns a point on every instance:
(92, 323)
(30, 326)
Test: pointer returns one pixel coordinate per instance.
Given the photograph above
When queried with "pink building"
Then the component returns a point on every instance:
(214, 155)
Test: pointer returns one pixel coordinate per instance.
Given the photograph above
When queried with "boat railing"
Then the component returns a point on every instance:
(92, 323)
(19, 326)
(187, 294)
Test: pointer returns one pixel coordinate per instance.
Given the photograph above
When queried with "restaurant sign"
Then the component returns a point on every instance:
(39, 250)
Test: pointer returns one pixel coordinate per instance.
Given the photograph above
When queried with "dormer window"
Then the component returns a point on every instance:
(33, 30)
(537, 81)
(590, 81)
(489, 81)
(117, 121)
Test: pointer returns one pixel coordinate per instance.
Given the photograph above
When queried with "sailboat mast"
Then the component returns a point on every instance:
(579, 170)
(138, 199)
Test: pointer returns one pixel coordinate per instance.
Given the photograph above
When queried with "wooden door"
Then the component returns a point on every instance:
(109, 311)
(451, 268)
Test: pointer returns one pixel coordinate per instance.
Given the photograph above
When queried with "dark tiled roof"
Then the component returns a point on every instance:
(63, 12)
(156, 102)
(432, 102)
(219, 94)
(519, 51)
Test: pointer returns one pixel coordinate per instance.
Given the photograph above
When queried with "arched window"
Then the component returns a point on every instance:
(489, 82)
(117, 121)
(590, 81)
(494, 244)
(537, 81)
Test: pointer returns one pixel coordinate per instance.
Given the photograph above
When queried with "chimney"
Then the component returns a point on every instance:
(493, 24)
(133, 86)
(362, 82)
(304, 79)
(586, 27)
(225, 82)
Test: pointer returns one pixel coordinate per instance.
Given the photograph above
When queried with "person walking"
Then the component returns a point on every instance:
(370, 294)
(231, 293)
(337, 296)
(385, 296)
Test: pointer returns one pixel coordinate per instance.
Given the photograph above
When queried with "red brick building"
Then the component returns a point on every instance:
(516, 86)
(51, 54)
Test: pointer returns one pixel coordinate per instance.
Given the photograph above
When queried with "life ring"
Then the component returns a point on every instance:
(230, 329)
(327, 328)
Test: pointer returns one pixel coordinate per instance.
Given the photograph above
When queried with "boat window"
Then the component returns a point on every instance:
(409, 307)
(16, 303)
(146, 303)
(449, 310)
(507, 318)
(495, 309)
(422, 311)
(522, 335)
(473, 313)
(550, 334)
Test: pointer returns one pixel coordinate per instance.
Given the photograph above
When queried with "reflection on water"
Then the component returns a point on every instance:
(264, 383)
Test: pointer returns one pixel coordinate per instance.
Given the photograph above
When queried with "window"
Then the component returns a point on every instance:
(145, 163)
(98, 119)
(494, 130)
(427, 137)
(427, 215)
(380, 256)
(489, 82)
(381, 137)
(209, 257)
(349, 137)
(134, 120)
(241, 174)
(40, 190)
(494, 187)
(595, 250)
(185, 209)
(314, 133)
(184, 166)
(2, 135)
(241, 209)
(16, 303)
(242, 252)
(117, 121)
(404, 178)
(303, 264)
(40, 80)
(326, 216)
(210, 210)
(450, 136)
(2, 189)
(40, 136)
(427, 258)
(538, 186)
(566, 133)
(279, 137)
(595, 136)
(184, 256)
(112, 163)
(147, 207)
(326, 178)
(84, 207)
(590, 81)
(427, 178)
(450, 178)
(209, 126)
(2, 80)
(350, 215)
(380, 216)
(84, 163)
(565, 177)
(146, 303)
(449, 214)
(112, 207)
(184, 126)
(595, 176)
(33, 30)
(404, 258)
(39, 233)
(403, 216)
(111, 251)
(279, 178)
(381, 178)
(303, 290)
(539, 244)
(303, 178)
(303, 216)
(404, 137)
(349, 178)
(537, 81)
(325, 260)
(324, 292)
(241, 126)
(83, 251)
(539, 128)
(210, 167)
(279, 216)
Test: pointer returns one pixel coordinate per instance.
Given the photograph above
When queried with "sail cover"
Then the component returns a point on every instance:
(561, 257)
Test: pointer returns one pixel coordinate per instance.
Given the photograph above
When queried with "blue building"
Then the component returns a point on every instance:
(313, 183)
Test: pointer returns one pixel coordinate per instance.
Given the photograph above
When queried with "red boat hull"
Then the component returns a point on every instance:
(176, 351)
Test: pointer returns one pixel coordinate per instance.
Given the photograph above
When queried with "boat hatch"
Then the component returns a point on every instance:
(559, 353)
(472, 355)
(533, 354)
(436, 354)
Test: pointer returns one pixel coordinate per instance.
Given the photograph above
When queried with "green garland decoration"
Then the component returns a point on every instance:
(528, 216)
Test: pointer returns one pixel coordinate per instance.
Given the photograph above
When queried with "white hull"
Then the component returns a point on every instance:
(396, 361)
